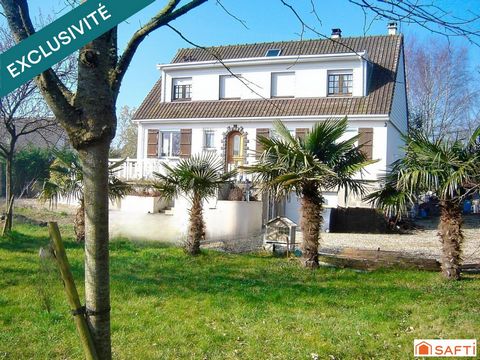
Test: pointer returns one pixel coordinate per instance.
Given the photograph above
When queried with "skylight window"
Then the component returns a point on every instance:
(273, 52)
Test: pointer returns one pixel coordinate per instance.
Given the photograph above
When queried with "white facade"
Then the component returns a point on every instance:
(310, 75)
(382, 130)
(305, 76)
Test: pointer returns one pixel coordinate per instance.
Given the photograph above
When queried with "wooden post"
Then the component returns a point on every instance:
(8, 218)
(72, 294)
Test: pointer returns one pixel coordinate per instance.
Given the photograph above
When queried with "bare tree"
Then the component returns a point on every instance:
(23, 113)
(125, 143)
(90, 125)
(442, 88)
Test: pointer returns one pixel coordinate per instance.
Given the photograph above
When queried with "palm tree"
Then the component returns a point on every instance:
(321, 161)
(197, 178)
(451, 170)
(66, 180)
(389, 198)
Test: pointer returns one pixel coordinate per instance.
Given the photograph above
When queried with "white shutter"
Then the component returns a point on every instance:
(283, 84)
(230, 87)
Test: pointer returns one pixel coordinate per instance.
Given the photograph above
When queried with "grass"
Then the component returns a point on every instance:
(166, 305)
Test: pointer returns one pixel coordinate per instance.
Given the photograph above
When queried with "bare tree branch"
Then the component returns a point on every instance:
(53, 89)
(242, 22)
(226, 67)
(167, 14)
(427, 15)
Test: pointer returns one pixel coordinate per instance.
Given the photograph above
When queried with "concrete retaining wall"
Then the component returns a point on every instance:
(223, 219)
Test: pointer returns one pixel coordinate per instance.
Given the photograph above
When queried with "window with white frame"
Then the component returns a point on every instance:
(170, 143)
(182, 89)
(283, 84)
(340, 83)
(230, 87)
(208, 139)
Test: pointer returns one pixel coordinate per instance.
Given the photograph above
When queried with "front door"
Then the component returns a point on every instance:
(235, 155)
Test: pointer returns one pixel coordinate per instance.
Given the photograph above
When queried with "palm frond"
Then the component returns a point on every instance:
(287, 163)
(66, 179)
(200, 175)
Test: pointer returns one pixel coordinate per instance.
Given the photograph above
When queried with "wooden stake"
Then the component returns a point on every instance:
(71, 291)
(7, 217)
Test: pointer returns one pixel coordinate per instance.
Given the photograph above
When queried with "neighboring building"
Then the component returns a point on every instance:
(197, 105)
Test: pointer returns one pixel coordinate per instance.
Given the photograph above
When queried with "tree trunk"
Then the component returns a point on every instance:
(451, 237)
(196, 231)
(97, 286)
(8, 193)
(79, 223)
(311, 222)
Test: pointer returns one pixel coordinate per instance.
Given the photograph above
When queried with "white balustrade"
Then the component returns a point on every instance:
(138, 169)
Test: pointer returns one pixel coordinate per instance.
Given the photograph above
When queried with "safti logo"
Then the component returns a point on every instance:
(444, 348)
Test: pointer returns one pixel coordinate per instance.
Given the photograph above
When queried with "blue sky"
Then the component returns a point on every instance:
(267, 20)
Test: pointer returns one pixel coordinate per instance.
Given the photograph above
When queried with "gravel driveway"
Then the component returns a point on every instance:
(421, 242)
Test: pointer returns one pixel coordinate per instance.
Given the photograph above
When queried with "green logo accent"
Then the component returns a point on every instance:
(64, 36)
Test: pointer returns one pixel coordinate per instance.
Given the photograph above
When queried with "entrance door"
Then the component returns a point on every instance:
(235, 155)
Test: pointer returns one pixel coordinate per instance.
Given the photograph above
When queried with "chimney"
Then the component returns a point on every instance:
(336, 33)
(392, 28)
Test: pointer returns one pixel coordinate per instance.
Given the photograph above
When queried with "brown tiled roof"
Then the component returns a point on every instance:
(382, 51)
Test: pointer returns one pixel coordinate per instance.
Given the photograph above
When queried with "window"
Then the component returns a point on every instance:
(235, 154)
(340, 83)
(283, 84)
(236, 144)
(273, 52)
(230, 87)
(182, 89)
(208, 139)
(170, 145)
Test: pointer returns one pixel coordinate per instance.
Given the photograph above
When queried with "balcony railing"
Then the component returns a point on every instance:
(138, 169)
(143, 169)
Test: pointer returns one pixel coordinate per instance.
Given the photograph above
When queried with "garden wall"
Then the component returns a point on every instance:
(357, 220)
(224, 220)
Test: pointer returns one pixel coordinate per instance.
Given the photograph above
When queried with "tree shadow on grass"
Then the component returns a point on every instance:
(18, 240)
(158, 270)
(268, 282)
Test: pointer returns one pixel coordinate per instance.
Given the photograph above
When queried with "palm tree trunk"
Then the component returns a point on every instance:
(311, 222)
(451, 237)
(97, 285)
(196, 231)
(79, 223)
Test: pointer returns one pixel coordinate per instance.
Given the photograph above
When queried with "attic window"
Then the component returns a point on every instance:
(273, 52)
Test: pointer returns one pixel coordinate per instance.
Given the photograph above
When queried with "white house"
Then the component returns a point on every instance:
(221, 99)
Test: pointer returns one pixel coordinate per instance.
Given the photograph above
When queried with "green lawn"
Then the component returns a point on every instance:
(166, 305)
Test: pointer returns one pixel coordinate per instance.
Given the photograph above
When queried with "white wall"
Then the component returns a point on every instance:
(223, 219)
(380, 137)
(310, 79)
(395, 145)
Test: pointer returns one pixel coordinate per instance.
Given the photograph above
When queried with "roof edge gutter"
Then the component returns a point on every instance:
(263, 60)
(378, 117)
